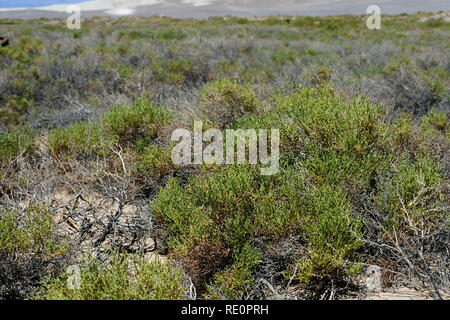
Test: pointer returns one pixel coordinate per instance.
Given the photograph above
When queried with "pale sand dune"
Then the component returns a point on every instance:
(93, 5)
(244, 8)
(104, 5)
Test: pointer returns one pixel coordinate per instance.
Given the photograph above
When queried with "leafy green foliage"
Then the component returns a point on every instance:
(80, 138)
(124, 125)
(126, 277)
(437, 121)
(155, 161)
(233, 204)
(411, 194)
(141, 119)
(30, 232)
(333, 235)
(235, 281)
(14, 143)
(224, 100)
(338, 154)
(236, 205)
(344, 141)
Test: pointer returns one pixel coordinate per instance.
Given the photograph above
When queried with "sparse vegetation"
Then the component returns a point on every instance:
(15, 143)
(87, 176)
(148, 281)
(29, 249)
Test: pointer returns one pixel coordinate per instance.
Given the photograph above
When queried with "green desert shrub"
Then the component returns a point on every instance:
(236, 280)
(30, 248)
(402, 132)
(24, 50)
(14, 143)
(126, 277)
(318, 75)
(291, 139)
(334, 122)
(30, 232)
(396, 64)
(435, 121)
(431, 137)
(339, 140)
(9, 117)
(80, 138)
(142, 119)
(331, 167)
(303, 22)
(434, 136)
(224, 213)
(337, 154)
(412, 193)
(20, 104)
(339, 133)
(434, 23)
(343, 142)
(235, 205)
(154, 160)
(135, 35)
(333, 235)
(125, 71)
(170, 34)
(225, 100)
(172, 71)
(123, 124)
(284, 56)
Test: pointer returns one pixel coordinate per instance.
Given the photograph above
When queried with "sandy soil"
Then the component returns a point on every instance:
(244, 8)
